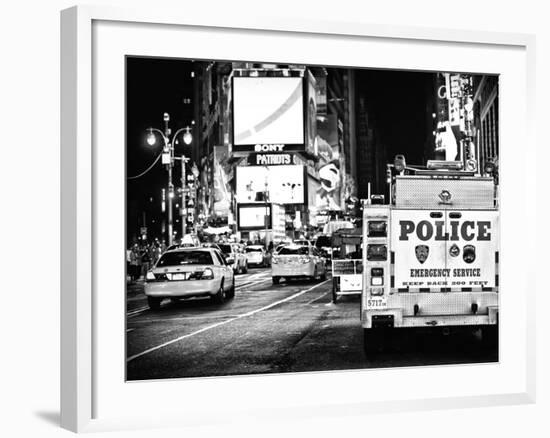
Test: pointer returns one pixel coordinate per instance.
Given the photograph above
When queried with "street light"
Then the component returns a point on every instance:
(151, 138)
(187, 137)
(168, 159)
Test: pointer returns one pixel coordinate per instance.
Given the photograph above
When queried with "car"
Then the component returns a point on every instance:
(324, 244)
(298, 261)
(235, 256)
(189, 272)
(256, 255)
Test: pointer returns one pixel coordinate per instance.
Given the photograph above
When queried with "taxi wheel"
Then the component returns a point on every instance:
(314, 277)
(231, 293)
(276, 280)
(334, 293)
(219, 298)
(154, 303)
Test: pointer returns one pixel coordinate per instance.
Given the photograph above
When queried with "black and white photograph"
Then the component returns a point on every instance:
(285, 218)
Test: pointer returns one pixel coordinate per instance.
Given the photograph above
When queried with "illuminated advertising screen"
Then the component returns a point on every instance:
(268, 114)
(253, 217)
(283, 184)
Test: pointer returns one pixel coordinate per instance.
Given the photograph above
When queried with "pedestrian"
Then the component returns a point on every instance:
(152, 253)
(135, 263)
(128, 267)
(145, 260)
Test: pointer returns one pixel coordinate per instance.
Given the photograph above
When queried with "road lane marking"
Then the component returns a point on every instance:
(251, 283)
(318, 298)
(143, 309)
(218, 324)
(136, 311)
(181, 318)
(259, 274)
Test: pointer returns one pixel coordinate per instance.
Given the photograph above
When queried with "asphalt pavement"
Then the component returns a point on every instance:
(266, 328)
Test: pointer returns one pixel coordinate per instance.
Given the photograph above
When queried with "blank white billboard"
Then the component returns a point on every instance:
(284, 184)
(268, 110)
(254, 217)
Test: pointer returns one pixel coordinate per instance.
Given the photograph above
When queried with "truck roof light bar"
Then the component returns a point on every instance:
(445, 165)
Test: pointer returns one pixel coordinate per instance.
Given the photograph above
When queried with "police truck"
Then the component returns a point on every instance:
(431, 253)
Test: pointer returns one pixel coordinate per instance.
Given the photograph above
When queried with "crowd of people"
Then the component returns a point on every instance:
(141, 256)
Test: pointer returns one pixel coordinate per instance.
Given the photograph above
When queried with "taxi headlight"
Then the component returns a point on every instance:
(150, 276)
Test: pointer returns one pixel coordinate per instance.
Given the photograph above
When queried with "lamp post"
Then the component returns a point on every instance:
(168, 159)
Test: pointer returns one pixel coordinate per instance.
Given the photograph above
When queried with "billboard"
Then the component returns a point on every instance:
(311, 137)
(222, 192)
(329, 192)
(268, 114)
(254, 217)
(284, 184)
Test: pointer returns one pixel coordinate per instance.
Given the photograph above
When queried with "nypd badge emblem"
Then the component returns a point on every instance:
(445, 197)
(422, 252)
(454, 250)
(469, 253)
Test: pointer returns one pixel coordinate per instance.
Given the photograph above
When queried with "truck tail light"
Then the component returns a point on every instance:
(377, 229)
(305, 260)
(377, 252)
(377, 291)
(275, 260)
(377, 277)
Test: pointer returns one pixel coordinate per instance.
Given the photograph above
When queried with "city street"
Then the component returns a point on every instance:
(271, 329)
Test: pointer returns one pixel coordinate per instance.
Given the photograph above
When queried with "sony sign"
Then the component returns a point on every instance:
(269, 147)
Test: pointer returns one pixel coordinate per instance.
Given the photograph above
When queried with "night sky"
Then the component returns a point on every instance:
(398, 103)
(154, 86)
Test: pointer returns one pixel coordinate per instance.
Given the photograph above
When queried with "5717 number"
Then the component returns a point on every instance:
(374, 303)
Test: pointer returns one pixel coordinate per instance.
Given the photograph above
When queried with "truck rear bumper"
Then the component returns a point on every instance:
(434, 309)
(395, 318)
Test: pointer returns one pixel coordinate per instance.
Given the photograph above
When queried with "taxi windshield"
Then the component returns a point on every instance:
(177, 258)
(299, 250)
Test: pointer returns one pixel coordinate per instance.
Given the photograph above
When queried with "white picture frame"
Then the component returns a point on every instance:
(82, 332)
